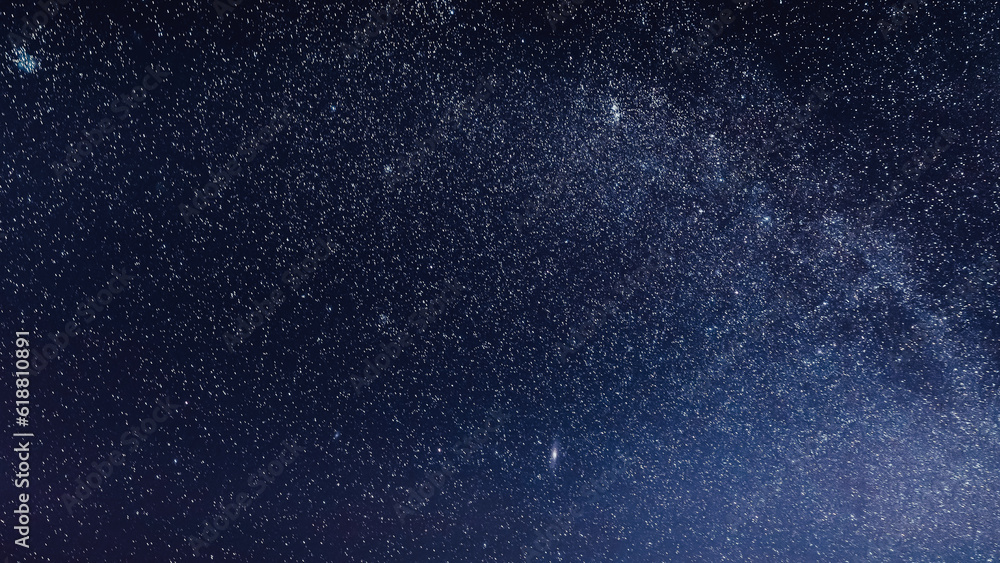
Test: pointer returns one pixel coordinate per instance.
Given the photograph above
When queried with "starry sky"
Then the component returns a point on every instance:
(642, 282)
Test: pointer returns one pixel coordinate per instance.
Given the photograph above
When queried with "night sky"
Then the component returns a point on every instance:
(501, 282)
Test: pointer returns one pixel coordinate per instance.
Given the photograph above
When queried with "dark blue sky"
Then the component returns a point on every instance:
(714, 328)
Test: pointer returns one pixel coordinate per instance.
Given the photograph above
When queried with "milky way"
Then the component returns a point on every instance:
(547, 281)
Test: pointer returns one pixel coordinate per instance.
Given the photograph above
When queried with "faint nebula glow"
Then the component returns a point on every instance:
(27, 63)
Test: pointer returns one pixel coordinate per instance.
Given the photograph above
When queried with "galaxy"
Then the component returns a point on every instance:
(553, 281)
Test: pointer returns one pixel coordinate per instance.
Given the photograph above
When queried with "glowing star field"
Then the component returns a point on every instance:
(453, 282)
